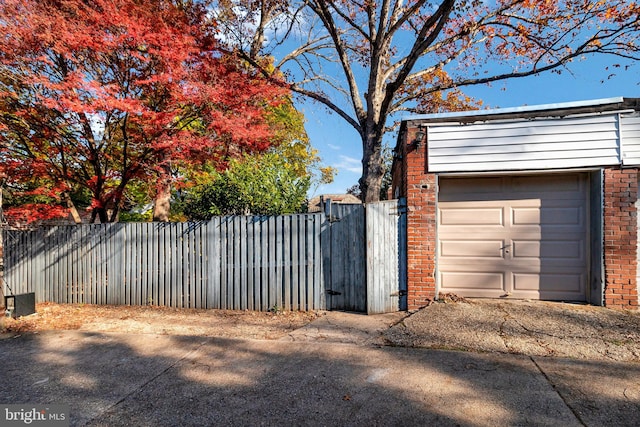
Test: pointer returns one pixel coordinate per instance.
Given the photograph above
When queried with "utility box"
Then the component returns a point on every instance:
(20, 305)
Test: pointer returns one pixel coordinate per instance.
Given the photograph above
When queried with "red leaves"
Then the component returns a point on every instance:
(99, 93)
(31, 212)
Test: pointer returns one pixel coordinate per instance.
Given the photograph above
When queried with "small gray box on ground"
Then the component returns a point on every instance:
(20, 305)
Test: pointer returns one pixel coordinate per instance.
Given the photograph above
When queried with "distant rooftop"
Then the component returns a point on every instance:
(315, 204)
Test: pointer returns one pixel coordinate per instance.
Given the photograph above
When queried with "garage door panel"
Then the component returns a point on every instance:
(452, 189)
(552, 234)
(513, 188)
(538, 250)
(549, 283)
(566, 216)
(472, 281)
(549, 250)
(472, 248)
(547, 184)
(472, 216)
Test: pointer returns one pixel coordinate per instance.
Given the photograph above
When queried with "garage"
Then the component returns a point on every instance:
(520, 236)
(530, 202)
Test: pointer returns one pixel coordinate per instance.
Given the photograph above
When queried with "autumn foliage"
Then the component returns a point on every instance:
(96, 95)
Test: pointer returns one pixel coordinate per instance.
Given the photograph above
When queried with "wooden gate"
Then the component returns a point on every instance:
(364, 256)
(344, 257)
(386, 223)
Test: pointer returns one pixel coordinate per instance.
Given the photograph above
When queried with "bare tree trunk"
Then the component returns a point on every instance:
(162, 201)
(373, 166)
(72, 208)
(372, 169)
(101, 214)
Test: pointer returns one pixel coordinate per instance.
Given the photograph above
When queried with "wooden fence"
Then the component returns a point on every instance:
(292, 262)
(253, 263)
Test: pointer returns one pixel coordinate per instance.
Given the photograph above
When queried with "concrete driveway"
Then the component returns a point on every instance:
(533, 328)
(309, 378)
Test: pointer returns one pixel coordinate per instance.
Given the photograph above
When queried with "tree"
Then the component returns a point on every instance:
(273, 183)
(368, 60)
(290, 153)
(97, 95)
(259, 185)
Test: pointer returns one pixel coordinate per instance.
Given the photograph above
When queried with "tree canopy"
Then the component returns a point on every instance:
(368, 60)
(272, 183)
(264, 184)
(97, 95)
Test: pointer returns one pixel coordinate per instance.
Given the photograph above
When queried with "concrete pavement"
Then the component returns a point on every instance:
(157, 380)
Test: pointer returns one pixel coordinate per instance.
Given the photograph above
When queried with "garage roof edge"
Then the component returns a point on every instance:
(556, 109)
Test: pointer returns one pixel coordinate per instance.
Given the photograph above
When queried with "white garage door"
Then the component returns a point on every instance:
(517, 236)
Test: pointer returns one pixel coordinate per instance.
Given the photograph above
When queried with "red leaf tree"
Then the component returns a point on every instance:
(96, 95)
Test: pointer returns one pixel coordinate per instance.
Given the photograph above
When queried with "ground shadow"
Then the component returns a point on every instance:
(116, 379)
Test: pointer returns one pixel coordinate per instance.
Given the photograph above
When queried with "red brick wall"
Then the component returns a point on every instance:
(620, 238)
(420, 190)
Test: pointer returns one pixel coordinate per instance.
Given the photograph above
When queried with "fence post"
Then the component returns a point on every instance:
(325, 249)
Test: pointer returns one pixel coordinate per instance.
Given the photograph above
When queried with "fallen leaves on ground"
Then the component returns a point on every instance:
(158, 320)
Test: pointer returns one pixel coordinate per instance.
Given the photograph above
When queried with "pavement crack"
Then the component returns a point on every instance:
(149, 381)
(538, 332)
(537, 336)
(555, 388)
(501, 332)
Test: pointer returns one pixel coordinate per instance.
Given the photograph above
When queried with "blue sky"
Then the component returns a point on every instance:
(339, 144)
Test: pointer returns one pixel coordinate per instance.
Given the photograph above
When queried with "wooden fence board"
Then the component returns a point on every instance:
(289, 262)
(309, 261)
(318, 279)
(264, 264)
(195, 268)
(251, 266)
(243, 249)
(144, 265)
(224, 262)
(213, 262)
(271, 263)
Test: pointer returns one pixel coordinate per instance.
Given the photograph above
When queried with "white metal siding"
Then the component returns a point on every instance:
(549, 143)
(630, 136)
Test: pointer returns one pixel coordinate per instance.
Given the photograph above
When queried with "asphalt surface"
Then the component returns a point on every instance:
(333, 372)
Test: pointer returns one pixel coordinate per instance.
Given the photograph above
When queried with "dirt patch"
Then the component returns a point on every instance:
(158, 320)
(534, 328)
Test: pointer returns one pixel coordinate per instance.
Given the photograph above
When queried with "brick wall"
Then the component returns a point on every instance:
(421, 190)
(620, 238)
